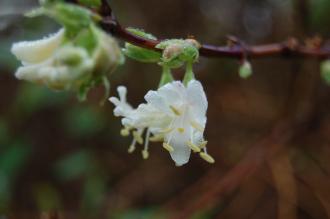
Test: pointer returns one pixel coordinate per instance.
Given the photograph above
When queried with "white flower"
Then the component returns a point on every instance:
(175, 114)
(49, 62)
(61, 64)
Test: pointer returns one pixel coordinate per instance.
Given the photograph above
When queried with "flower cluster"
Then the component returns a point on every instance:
(175, 114)
(77, 57)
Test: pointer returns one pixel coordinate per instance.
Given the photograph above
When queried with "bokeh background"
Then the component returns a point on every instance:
(270, 134)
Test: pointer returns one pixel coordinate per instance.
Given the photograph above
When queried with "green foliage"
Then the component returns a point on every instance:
(87, 39)
(12, 159)
(141, 54)
(319, 16)
(32, 98)
(325, 71)
(4, 132)
(93, 192)
(74, 166)
(72, 17)
(90, 3)
(83, 122)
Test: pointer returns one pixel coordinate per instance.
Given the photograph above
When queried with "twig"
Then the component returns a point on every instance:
(285, 49)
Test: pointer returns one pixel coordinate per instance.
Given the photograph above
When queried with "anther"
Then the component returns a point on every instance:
(156, 138)
(197, 126)
(181, 130)
(175, 111)
(168, 147)
(131, 148)
(167, 130)
(124, 132)
(207, 157)
(193, 147)
(145, 154)
(203, 144)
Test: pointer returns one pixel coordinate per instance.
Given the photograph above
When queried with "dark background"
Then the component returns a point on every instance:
(61, 156)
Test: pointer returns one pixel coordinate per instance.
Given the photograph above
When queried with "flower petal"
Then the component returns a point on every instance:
(173, 93)
(37, 51)
(197, 98)
(179, 140)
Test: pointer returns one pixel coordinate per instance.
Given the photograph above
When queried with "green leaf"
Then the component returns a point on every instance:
(72, 17)
(141, 54)
(87, 39)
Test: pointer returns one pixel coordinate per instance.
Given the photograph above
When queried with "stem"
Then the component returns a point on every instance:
(189, 75)
(288, 48)
(166, 76)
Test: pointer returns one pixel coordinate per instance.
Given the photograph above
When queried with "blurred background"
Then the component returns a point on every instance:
(270, 134)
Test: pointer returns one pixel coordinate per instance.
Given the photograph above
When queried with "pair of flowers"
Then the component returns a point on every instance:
(175, 114)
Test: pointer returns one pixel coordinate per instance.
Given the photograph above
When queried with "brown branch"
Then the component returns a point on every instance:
(289, 48)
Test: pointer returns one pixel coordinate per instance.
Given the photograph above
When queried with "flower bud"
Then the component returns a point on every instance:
(62, 63)
(177, 52)
(325, 71)
(245, 70)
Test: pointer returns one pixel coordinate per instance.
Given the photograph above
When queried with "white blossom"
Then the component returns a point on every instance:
(61, 64)
(174, 114)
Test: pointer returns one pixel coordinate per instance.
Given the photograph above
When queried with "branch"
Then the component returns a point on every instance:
(289, 48)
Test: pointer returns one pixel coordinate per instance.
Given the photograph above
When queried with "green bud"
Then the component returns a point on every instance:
(245, 70)
(325, 71)
(138, 53)
(176, 52)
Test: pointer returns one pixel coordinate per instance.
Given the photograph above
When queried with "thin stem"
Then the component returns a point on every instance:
(289, 48)
(166, 76)
(189, 75)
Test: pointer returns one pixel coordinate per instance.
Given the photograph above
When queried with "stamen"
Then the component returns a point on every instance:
(207, 157)
(175, 111)
(197, 126)
(156, 138)
(124, 132)
(203, 144)
(145, 154)
(193, 147)
(168, 147)
(137, 137)
(181, 130)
